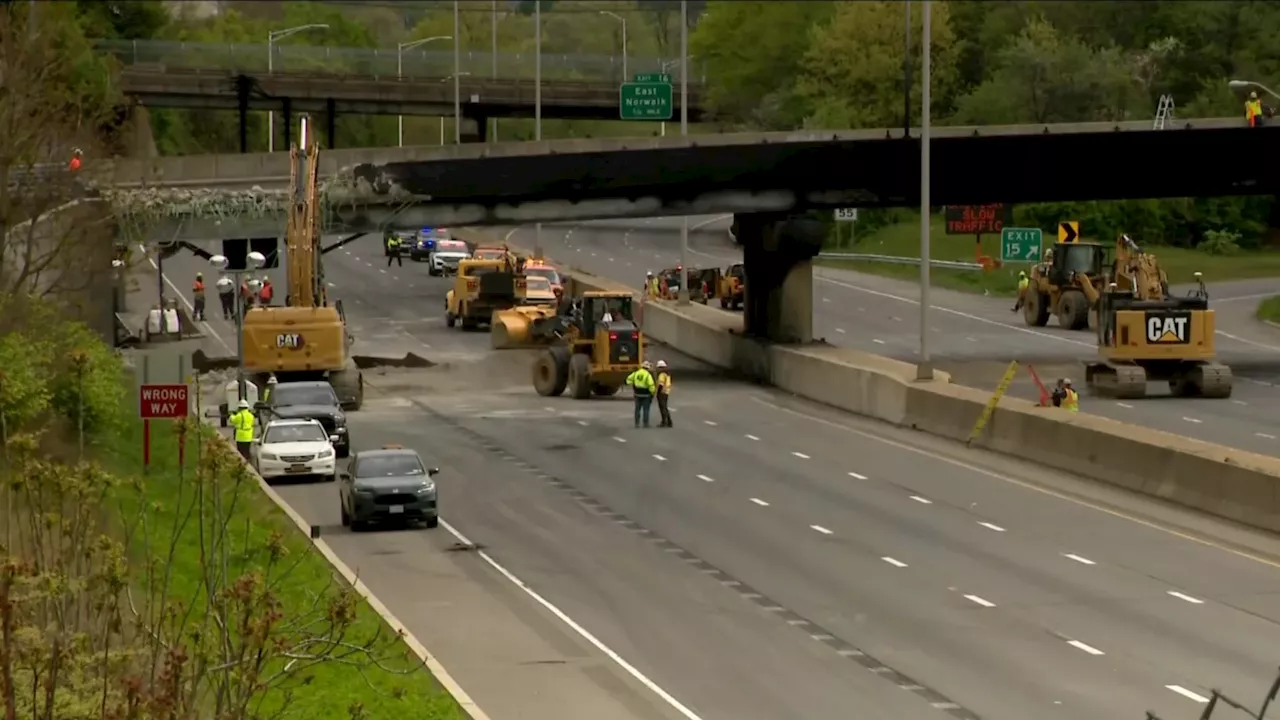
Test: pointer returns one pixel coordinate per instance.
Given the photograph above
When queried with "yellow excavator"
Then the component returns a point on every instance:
(1146, 334)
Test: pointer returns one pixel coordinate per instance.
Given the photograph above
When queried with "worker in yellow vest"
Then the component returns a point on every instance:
(1024, 283)
(243, 421)
(642, 387)
(1253, 110)
(664, 393)
(1071, 399)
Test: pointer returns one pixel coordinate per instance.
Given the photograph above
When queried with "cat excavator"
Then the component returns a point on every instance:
(1146, 334)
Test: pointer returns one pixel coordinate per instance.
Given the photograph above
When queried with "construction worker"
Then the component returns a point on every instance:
(664, 393)
(642, 388)
(1070, 399)
(243, 421)
(197, 298)
(227, 296)
(271, 385)
(267, 291)
(75, 163)
(393, 251)
(1253, 110)
(1023, 283)
(1059, 393)
(650, 284)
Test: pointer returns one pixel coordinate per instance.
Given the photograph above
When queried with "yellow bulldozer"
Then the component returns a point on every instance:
(595, 345)
(481, 288)
(1065, 285)
(1145, 334)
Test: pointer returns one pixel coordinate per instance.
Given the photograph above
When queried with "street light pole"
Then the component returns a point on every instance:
(537, 104)
(272, 37)
(457, 79)
(493, 55)
(684, 132)
(924, 370)
(400, 50)
(906, 72)
(619, 18)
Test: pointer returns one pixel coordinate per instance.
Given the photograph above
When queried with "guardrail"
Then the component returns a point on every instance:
(383, 62)
(898, 260)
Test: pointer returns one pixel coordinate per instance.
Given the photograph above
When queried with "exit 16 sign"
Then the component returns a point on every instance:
(162, 402)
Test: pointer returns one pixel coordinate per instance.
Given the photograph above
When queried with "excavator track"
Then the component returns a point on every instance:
(1126, 382)
(1207, 380)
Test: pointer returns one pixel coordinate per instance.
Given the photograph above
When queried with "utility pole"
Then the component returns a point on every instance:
(684, 132)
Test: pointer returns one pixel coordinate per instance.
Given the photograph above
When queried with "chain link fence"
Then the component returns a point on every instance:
(423, 62)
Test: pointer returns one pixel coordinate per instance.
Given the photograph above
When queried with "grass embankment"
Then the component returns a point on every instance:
(1269, 309)
(903, 239)
(409, 691)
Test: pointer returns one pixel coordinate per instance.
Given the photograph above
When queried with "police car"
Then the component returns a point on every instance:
(295, 448)
(425, 243)
(446, 254)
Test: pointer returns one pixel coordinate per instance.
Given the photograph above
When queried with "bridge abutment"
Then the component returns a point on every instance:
(778, 253)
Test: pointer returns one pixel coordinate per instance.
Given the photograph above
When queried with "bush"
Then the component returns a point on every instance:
(1220, 242)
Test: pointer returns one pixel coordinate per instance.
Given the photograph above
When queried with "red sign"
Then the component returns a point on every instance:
(978, 219)
(162, 402)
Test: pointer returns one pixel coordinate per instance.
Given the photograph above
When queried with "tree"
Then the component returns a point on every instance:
(663, 17)
(852, 73)
(122, 19)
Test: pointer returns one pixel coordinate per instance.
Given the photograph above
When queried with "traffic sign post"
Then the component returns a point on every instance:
(1020, 244)
(161, 402)
(843, 216)
(645, 101)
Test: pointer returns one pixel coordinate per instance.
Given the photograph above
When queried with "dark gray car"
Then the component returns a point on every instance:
(308, 399)
(391, 484)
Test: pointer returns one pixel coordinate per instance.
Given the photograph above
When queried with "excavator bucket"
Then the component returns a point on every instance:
(520, 326)
(202, 363)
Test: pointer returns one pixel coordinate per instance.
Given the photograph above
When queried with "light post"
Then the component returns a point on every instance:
(493, 57)
(254, 262)
(665, 66)
(272, 37)
(1240, 87)
(619, 18)
(537, 104)
(684, 132)
(400, 49)
(457, 81)
(924, 370)
(456, 119)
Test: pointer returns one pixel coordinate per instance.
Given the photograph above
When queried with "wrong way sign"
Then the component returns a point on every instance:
(163, 402)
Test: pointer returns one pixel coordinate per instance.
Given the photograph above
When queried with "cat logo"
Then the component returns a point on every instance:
(1168, 328)
(289, 341)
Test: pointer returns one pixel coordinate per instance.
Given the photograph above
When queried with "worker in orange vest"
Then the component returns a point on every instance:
(197, 298)
(75, 160)
(267, 292)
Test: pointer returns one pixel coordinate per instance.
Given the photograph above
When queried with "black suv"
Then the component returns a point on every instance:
(313, 399)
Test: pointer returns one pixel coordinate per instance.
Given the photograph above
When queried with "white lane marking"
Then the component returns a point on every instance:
(821, 529)
(877, 341)
(759, 502)
(510, 232)
(800, 455)
(925, 501)
(1078, 558)
(1264, 435)
(369, 264)
(704, 478)
(582, 422)
(659, 458)
(1188, 598)
(593, 254)
(712, 423)
(980, 601)
(1125, 405)
(1187, 693)
(971, 339)
(707, 222)
(1087, 648)
(989, 526)
(615, 437)
(751, 437)
(826, 300)
(573, 625)
(895, 563)
(856, 476)
(549, 409)
(1190, 419)
(1239, 402)
(840, 330)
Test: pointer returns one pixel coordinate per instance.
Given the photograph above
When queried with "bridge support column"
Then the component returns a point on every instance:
(331, 122)
(243, 86)
(777, 253)
(286, 109)
(472, 130)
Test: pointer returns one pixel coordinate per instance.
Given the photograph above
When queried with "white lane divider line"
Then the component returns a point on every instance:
(1264, 435)
(712, 423)
(921, 500)
(895, 563)
(1079, 559)
(840, 330)
(1239, 402)
(877, 341)
(971, 339)
(1087, 648)
(1125, 405)
(582, 423)
(800, 455)
(980, 601)
(384, 272)
(704, 478)
(1190, 419)
(615, 437)
(1187, 693)
(856, 476)
(989, 526)
(821, 529)
(751, 437)
(659, 458)
(826, 299)
(1188, 598)
(759, 502)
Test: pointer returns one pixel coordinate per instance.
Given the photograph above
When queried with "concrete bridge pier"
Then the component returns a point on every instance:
(778, 253)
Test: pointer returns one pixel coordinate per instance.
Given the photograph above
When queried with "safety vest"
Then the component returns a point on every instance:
(197, 288)
(242, 421)
(266, 292)
(393, 243)
(74, 164)
(641, 382)
(1252, 109)
(1072, 401)
(1023, 282)
(664, 381)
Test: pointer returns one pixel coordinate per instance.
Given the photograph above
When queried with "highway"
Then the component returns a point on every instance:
(770, 558)
(971, 336)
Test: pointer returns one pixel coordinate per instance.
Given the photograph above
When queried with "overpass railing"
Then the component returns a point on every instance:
(382, 62)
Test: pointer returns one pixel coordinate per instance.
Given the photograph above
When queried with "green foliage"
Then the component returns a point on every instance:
(121, 20)
(1221, 242)
(1269, 310)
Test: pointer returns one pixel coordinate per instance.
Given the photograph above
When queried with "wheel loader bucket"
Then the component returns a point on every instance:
(513, 328)
(202, 363)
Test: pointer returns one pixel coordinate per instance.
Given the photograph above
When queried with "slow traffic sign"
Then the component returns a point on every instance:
(163, 402)
(1020, 244)
(1068, 231)
(645, 101)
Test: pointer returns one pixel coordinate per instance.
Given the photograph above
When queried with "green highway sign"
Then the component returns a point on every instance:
(645, 101)
(1020, 244)
(652, 78)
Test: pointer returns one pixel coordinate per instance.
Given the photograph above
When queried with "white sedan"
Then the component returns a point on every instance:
(293, 448)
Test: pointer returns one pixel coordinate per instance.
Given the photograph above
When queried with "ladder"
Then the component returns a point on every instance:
(1164, 112)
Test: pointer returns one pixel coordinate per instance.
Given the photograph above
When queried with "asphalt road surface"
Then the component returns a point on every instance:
(771, 559)
(971, 336)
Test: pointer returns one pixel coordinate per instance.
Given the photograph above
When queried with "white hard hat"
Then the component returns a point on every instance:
(662, 363)
(244, 404)
(648, 272)
(645, 364)
(1066, 381)
(272, 380)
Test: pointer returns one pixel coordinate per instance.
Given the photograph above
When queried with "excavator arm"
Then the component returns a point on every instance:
(302, 239)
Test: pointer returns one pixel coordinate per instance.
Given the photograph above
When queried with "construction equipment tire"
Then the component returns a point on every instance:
(450, 320)
(348, 383)
(1036, 309)
(580, 376)
(603, 390)
(551, 372)
(1073, 310)
(724, 302)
